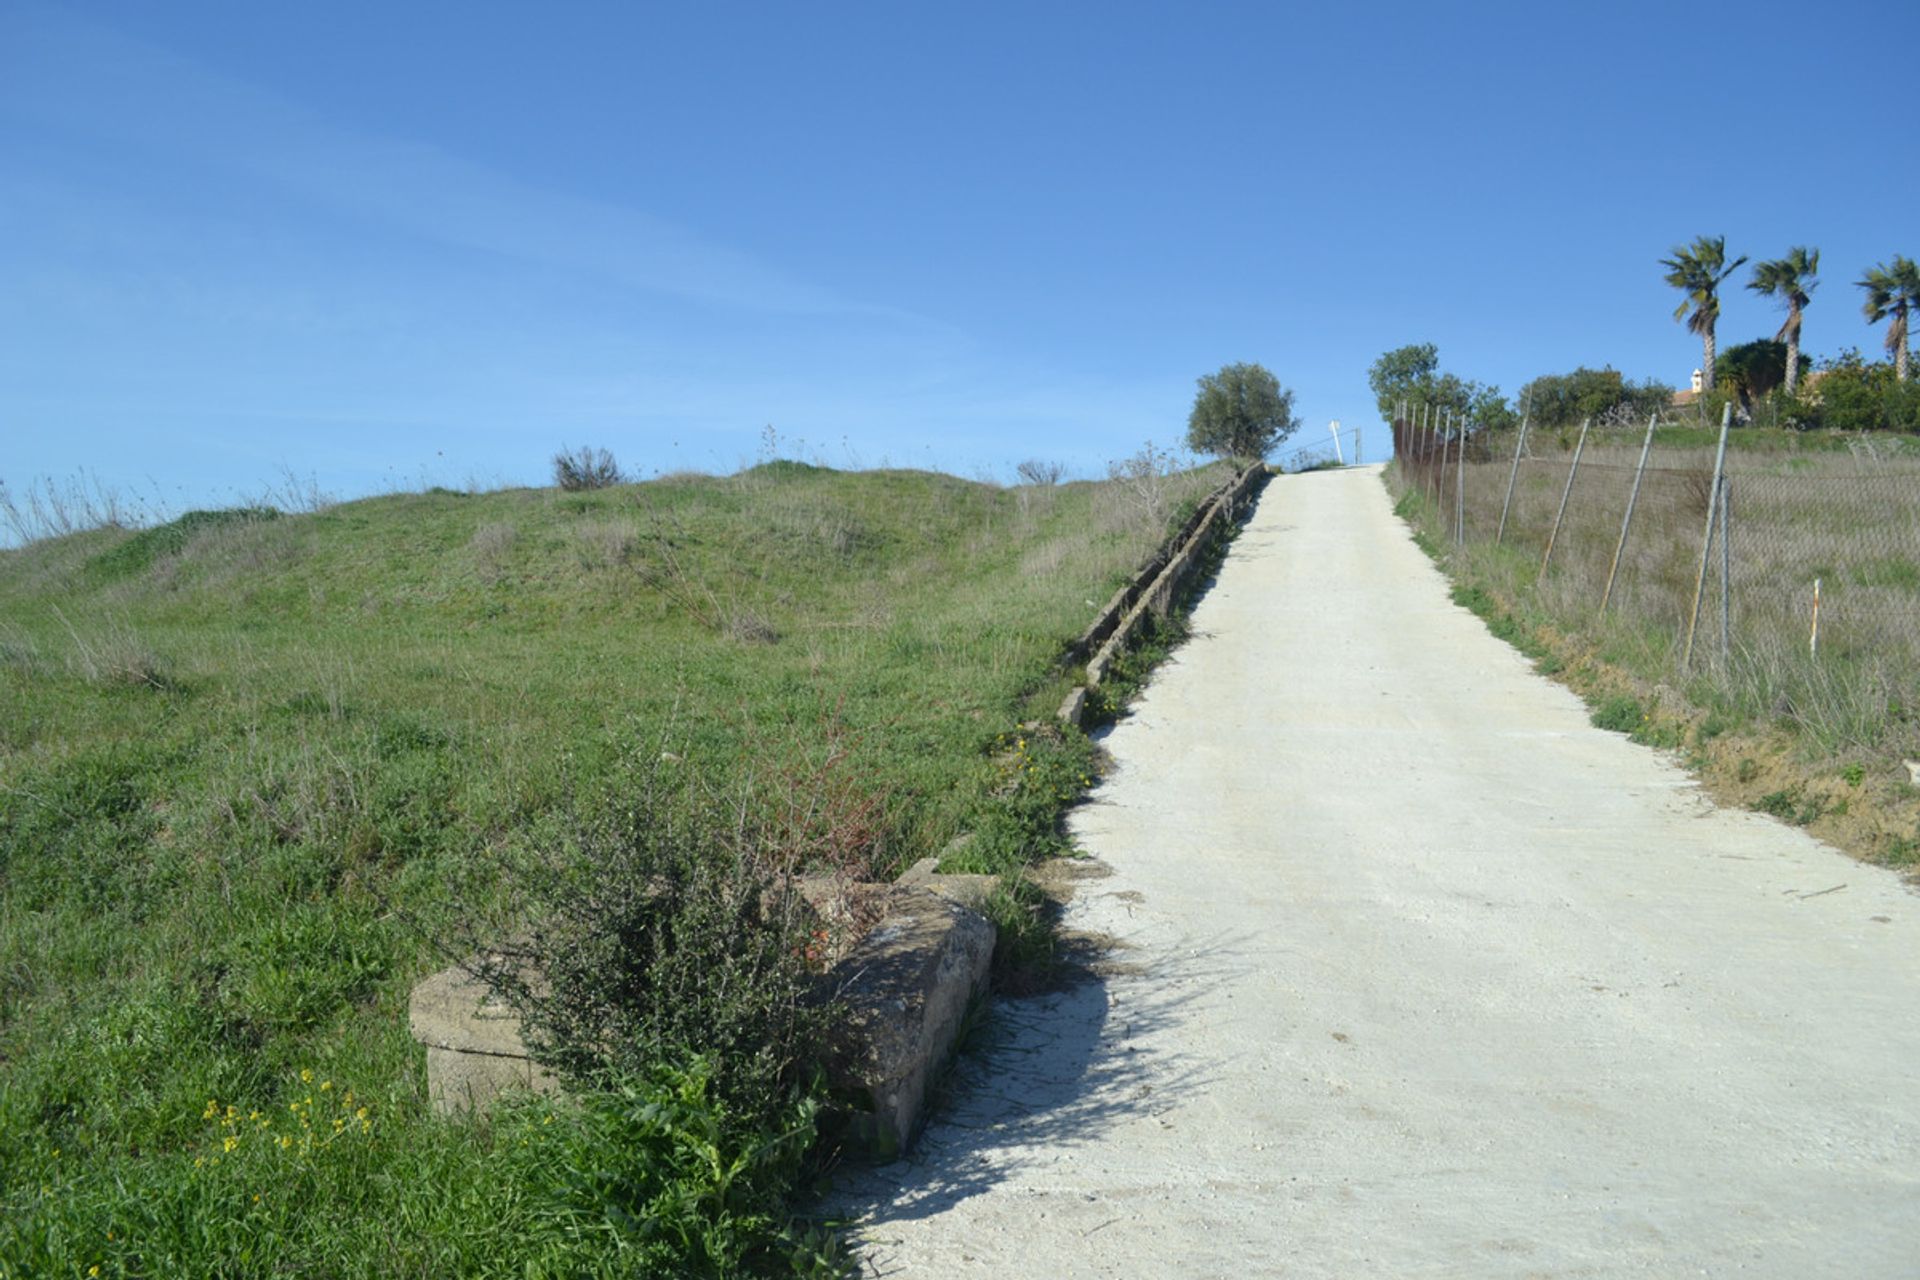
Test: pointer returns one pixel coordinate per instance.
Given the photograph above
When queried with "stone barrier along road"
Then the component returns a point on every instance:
(1420, 974)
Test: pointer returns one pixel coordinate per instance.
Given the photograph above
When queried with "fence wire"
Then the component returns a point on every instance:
(1848, 522)
(1331, 450)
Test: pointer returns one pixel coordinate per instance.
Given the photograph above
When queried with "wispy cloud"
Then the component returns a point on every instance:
(78, 75)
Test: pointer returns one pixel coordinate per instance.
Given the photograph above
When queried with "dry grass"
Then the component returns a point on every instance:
(1849, 520)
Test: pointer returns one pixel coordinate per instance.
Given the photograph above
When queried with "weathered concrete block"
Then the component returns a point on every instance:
(966, 888)
(474, 1048)
(907, 989)
(1073, 709)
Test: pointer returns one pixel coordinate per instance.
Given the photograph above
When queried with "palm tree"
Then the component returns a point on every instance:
(1790, 279)
(1893, 291)
(1697, 270)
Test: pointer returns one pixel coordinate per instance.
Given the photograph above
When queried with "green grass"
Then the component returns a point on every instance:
(252, 766)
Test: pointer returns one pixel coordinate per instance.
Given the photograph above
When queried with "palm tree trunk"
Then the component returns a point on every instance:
(1707, 350)
(1793, 350)
(1898, 332)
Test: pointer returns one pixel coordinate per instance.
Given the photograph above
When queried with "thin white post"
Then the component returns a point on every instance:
(1813, 640)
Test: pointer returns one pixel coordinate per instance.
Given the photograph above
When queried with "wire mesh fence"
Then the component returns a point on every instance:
(1818, 552)
(1338, 448)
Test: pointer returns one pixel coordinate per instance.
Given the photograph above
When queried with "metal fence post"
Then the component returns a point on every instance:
(1436, 453)
(1519, 443)
(1460, 488)
(1433, 452)
(1420, 458)
(1626, 521)
(1565, 493)
(1706, 540)
(1726, 569)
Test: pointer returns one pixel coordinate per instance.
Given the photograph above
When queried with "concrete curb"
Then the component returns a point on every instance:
(908, 986)
(1155, 588)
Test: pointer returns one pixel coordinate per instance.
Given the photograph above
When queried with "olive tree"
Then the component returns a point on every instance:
(1240, 412)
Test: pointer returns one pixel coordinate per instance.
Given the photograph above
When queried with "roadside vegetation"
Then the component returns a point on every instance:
(1820, 739)
(262, 770)
(1823, 470)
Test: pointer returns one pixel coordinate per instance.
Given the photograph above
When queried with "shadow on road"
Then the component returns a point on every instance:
(1044, 1075)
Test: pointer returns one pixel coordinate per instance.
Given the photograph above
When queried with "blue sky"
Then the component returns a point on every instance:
(387, 244)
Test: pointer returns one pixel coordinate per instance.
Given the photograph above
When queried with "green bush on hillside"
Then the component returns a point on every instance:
(654, 929)
(1851, 394)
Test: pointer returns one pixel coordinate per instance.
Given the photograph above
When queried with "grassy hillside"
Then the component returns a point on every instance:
(248, 759)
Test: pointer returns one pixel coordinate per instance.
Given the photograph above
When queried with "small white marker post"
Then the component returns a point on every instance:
(1334, 427)
(1813, 638)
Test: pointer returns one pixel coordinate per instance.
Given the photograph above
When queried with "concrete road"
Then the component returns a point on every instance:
(1422, 975)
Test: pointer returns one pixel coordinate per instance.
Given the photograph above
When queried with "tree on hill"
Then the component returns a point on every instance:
(1753, 369)
(1697, 270)
(1403, 374)
(1892, 293)
(1790, 279)
(1605, 395)
(1411, 375)
(1240, 412)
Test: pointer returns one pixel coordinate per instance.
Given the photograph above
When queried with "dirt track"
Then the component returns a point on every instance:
(1425, 976)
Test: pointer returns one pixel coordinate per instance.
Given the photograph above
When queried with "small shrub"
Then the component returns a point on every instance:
(1854, 774)
(1038, 471)
(583, 468)
(655, 931)
(1621, 713)
(1141, 484)
(1747, 770)
(1790, 805)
